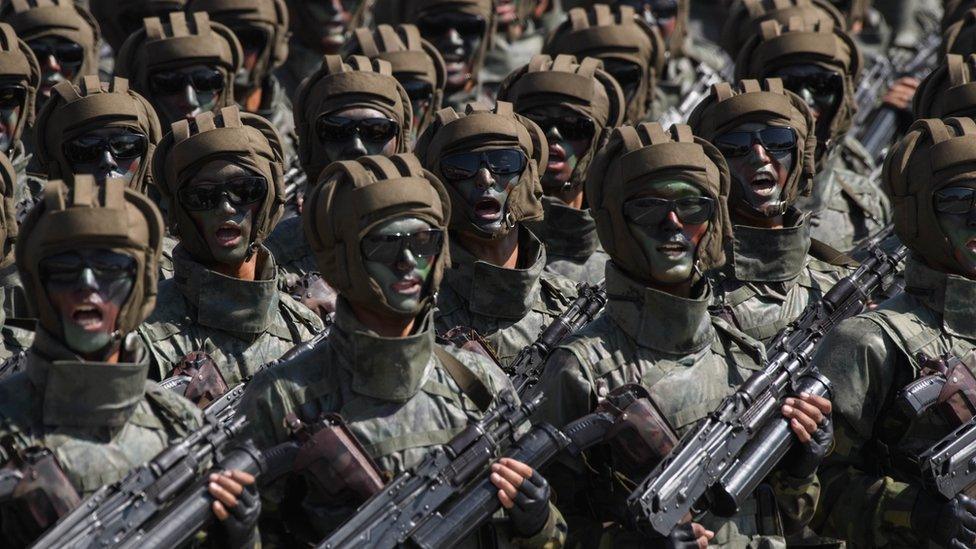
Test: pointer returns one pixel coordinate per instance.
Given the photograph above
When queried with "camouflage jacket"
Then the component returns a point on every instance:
(508, 307)
(397, 398)
(99, 420)
(770, 278)
(869, 484)
(276, 108)
(28, 188)
(15, 338)
(288, 245)
(572, 247)
(689, 361)
(848, 206)
(301, 63)
(166, 259)
(241, 324)
(506, 55)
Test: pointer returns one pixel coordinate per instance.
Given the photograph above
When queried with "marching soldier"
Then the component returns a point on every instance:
(14, 337)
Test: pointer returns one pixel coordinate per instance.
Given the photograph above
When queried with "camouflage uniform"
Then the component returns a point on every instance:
(509, 307)
(13, 339)
(276, 108)
(290, 249)
(572, 247)
(301, 62)
(241, 324)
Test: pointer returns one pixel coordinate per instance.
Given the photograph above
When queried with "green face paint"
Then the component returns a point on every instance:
(403, 281)
(957, 219)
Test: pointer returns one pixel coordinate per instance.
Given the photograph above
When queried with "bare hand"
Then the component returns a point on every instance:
(702, 535)
(900, 93)
(226, 487)
(806, 413)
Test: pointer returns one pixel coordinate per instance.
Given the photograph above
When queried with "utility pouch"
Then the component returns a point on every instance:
(206, 384)
(333, 462)
(640, 437)
(36, 490)
(957, 400)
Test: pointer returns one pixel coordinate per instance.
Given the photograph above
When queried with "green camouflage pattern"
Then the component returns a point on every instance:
(301, 62)
(573, 248)
(508, 307)
(240, 324)
(505, 55)
(770, 278)
(290, 249)
(29, 185)
(869, 483)
(276, 108)
(166, 259)
(689, 361)
(396, 397)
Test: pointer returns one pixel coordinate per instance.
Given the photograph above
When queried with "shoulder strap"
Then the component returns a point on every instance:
(175, 416)
(826, 253)
(469, 383)
(900, 330)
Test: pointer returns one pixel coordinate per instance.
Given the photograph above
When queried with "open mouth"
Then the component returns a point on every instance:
(971, 245)
(88, 317)
(408, 286)
(488, 209)
(763, 183)
(228, 235)
(672, 249)
(557, 158)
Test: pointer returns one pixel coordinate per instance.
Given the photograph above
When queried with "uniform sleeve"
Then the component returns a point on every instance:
(796, 499)
(265, 408)
(552, 535)
(857, 504)
(567, 389)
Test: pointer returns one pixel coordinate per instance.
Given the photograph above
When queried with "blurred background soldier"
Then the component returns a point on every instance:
(15, 334)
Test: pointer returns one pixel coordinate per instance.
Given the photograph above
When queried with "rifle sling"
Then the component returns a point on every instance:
(469, 383)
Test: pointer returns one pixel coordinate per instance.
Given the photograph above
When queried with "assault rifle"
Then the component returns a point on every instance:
(722, 460)
(526, 367)
(948, 466)
(678, 114)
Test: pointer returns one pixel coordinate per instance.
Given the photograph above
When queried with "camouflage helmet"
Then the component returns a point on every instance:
(932, 155)
(82, 214)
(246, 140)
(745, 17)
(8, 211)
(18, 64)
(117, 19)
(479, 129)
(766, 102)
(410, 57)
(949, 90)
(619, 34)
(336, 86)
(74, 110)
(636, 156)
(581, 86)
(36, 19)
(268, 16)
(797, 42)
(354, 196)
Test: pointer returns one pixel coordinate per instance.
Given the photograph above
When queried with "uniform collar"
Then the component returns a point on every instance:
(567, 231)
(226, 303)
(950, 295)
(656, 319)
(79, 393)
(387, 368)
(770, 255)
(494, 291)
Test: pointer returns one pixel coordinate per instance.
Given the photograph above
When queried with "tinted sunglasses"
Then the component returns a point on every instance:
(340, 128)
(569, 127)
(739, 143)
(956, 201)
(819, 83)
(64, 52)
(240, 191)
(173, 82)
(87, 149)
(460, 166)
(438, 25)
(418, 90)
(67, 267)
(388, 248)
(649, 211)
(12, 96)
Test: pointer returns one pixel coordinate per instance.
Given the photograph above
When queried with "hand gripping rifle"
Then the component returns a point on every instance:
(722, 460)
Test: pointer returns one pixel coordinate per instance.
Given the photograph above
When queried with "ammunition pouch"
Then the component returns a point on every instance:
(35, 494)
(206, 384)
(957, 401)
(640, 437)
(312, 291)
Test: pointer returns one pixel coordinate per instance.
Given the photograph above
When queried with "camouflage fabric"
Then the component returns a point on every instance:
(290, 249)
(29, 185)
(100, 420)
(869, 484)
(505, 56)
(166, 259)
(848, 206)
(13, 338)
(689, 362)
(276, 108)
(241, 324)
(508, 307)
(771, 277)
(397, 398)
(573, 249)
(301, 62)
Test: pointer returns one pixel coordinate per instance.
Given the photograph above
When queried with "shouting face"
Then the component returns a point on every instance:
(569, 134)
(107, 153)
(399, 255)
(458, 37)
(668, 220)
(88, 288)
(485, 179)
(760, 158)
(957, 219)
(186, 92)
(351, 133)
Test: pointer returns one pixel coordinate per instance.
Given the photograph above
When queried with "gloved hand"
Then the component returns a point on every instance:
(689, 535)
(809, 417)
(236, 505)
(950, 524)
(524, 493)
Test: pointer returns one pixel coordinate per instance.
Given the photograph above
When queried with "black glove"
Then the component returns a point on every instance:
(240, 528)
(531, 510)
(804, 459)
(682, 537)
(951, 524)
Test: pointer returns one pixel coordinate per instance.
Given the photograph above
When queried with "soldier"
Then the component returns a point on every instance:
(521, 30)
(820, 63)
(343, 110)
(117, 19)
(63, 36)
(415, 62)
(948, 91)
(183, 66)
(223, 179)
(378, 227)
(746, 16)
(261, 27)
(20, 77)
(872, 494)
(496, 283)
(84, 396)
(14, 336)
(659, 200)
(766, 135)
(632, 51)
(576, 104)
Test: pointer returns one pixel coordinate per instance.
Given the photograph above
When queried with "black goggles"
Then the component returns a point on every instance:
(88, 148)
(240, 191)
(69, 53)
(739, 143)
(577, 128)
(12, 96)
(460, 166)
(418, 90)
(650, 211)
(65, 268)
(173, 82)
(340, 128)
(956, 200)
(388, 248)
